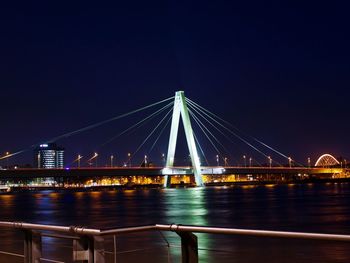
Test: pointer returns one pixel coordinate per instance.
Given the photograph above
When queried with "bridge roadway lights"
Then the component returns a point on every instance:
(213, 170)
(169, 171)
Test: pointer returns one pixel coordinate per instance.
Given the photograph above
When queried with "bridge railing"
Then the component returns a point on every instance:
(88, 245)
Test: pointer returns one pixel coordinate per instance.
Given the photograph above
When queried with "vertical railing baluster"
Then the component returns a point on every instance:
(115, 248)
(98, 249)
(32, 246)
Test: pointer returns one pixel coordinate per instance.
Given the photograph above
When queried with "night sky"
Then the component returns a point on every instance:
(277, 70)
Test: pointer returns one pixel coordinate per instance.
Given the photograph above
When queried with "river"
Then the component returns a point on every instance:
(317, 207)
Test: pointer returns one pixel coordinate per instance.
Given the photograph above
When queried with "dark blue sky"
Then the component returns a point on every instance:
(278, 70)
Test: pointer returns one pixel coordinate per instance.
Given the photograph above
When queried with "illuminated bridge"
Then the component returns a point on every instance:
(210, 125)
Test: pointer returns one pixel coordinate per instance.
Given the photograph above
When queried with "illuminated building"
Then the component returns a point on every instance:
(48, 155)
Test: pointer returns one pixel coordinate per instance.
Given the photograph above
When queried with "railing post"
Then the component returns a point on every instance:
(99, 252)
(189, 247)
(32, 246)
(90, 249)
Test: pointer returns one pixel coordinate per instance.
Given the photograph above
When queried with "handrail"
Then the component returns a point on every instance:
(78, 230)
(127, 230)
(65, 229)
(253, 232)
(88, 243)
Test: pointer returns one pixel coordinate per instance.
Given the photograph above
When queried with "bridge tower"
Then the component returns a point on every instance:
(180, 108)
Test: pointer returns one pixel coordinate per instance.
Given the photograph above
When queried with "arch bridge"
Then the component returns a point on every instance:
(326, 160)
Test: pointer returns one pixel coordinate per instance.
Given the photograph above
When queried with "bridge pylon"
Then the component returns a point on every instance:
(180, 108)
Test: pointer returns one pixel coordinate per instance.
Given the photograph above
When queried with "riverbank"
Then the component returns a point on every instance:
(15, 189)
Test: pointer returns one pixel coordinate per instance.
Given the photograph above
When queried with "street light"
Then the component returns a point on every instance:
(78, 159)
(270, 160)
(129, 159)
(112, 157)
(245, 161)
(217, 160)
(290, 162)
(250, 161)
(95, 156)
(225, 160)
(38, 159)
(309, 162)
(145, 160)
(7, 159)
(163, 158)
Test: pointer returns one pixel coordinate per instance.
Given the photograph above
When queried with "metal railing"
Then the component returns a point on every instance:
(88, 244)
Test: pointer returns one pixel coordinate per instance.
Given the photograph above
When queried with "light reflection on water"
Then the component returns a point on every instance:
(310, 208)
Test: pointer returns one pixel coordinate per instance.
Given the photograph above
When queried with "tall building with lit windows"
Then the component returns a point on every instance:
(49, 155)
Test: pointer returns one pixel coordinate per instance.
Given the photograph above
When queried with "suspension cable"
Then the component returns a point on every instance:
(66, 135)
(235, 134)
(215, 127)
(217, 150)
(160, 134)
(230, 124)
(107, 121)
(145, 140)
(198, 121)
(200, 147)
(139, 124)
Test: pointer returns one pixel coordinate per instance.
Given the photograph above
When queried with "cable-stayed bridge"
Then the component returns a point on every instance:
(219, 134)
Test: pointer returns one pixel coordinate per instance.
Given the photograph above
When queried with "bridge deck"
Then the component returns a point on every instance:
(158, 171)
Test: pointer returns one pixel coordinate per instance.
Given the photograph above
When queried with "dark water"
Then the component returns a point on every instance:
(323, 208)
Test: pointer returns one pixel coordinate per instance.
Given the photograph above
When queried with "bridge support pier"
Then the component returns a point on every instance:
(167, 180)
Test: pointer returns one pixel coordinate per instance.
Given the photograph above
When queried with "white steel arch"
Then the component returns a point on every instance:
(326, 160)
